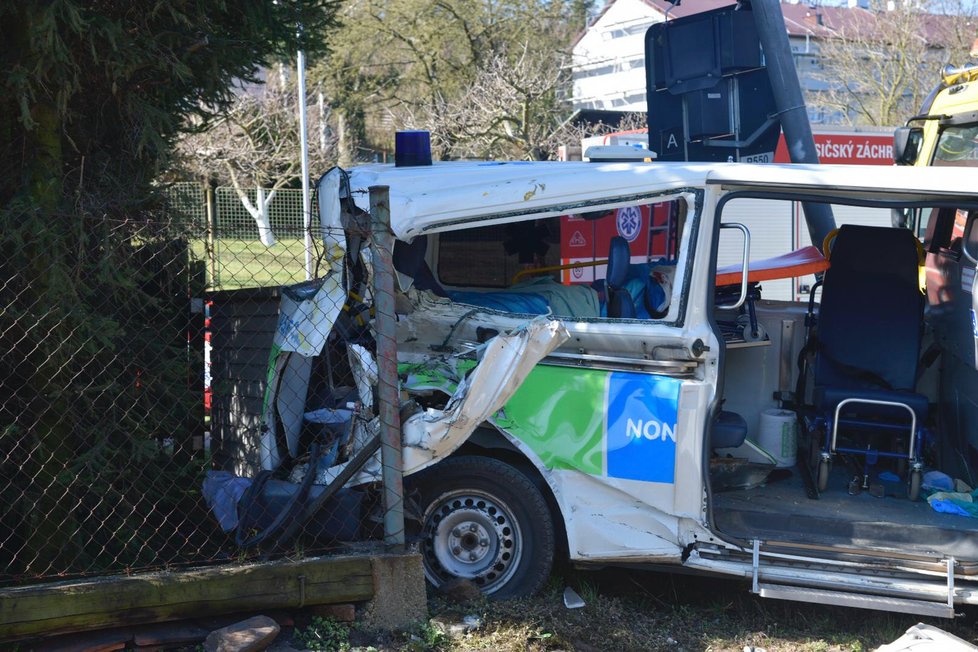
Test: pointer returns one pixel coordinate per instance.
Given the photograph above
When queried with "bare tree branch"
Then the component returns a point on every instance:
(255, 144)
(879, 67)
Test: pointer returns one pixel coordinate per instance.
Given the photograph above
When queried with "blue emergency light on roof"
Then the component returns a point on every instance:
(412, 148)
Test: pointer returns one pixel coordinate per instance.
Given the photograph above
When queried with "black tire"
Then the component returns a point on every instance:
(485, 521)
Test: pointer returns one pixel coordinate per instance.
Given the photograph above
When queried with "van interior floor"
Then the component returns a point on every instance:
(782, 511)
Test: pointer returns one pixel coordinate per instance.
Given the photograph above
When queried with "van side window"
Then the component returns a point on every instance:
(490, 256)
(541, 256)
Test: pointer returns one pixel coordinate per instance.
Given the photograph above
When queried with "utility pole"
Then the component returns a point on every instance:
(790, 103)
(304, 151)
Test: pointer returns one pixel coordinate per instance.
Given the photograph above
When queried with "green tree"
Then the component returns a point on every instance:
(416, 63)
(486, 77)
(92, 282)
(511, 110)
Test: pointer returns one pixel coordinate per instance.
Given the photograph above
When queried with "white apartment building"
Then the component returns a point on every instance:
(608, 61)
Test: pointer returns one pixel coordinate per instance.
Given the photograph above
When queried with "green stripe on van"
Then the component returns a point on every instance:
(559, 412)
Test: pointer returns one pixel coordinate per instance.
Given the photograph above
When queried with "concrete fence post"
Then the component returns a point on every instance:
(385, 324)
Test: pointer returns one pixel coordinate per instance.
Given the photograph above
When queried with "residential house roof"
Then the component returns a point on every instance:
(802, 19)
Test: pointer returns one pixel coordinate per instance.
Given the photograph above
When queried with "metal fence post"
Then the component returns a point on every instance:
(210, 205)
(387, 391)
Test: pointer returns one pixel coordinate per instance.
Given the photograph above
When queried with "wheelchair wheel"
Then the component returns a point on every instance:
(814, 450)
(823, 474)
(913, 491)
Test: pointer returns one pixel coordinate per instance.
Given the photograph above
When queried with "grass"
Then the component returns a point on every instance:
(323, 635)
(249, 263)
(628, 610)
(641, 612)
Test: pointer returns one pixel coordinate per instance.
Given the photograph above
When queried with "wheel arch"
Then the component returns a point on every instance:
(490, 442)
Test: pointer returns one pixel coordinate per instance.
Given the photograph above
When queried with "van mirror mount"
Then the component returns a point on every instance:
(903, 218)
(906, 144)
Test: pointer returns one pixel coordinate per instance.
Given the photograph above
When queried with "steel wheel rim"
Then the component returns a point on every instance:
(473, 535)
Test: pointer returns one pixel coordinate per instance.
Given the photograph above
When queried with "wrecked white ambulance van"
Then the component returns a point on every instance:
(671, 416)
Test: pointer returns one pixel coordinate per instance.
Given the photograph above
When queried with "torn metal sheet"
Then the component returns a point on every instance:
(364, 368)
(439, 374)
(330, 215)
(363, 431)
(306, 316)
(504, 362)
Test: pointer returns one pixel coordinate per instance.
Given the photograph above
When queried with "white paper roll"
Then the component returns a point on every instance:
(779, 436)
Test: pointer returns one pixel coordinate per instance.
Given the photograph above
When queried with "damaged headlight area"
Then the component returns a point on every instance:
(319, 449)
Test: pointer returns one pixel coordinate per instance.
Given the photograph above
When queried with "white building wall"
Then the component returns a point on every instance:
(608, 63)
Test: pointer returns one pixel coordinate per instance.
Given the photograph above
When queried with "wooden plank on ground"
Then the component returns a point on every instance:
(155, 597)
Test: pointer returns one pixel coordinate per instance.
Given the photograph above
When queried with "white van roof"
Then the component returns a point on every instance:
(447, 194)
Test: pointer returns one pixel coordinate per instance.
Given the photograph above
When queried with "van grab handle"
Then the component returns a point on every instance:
(745, 268)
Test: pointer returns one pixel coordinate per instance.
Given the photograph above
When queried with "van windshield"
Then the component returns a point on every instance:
(958, 146)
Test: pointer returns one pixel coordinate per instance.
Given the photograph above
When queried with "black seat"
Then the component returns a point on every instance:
(620, 304)
(870, 325)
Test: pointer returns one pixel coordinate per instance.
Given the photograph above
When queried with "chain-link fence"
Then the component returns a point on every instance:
(228, 224)
(175, 393)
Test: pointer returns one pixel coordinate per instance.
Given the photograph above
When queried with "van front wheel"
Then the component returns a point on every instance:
(485, 521)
